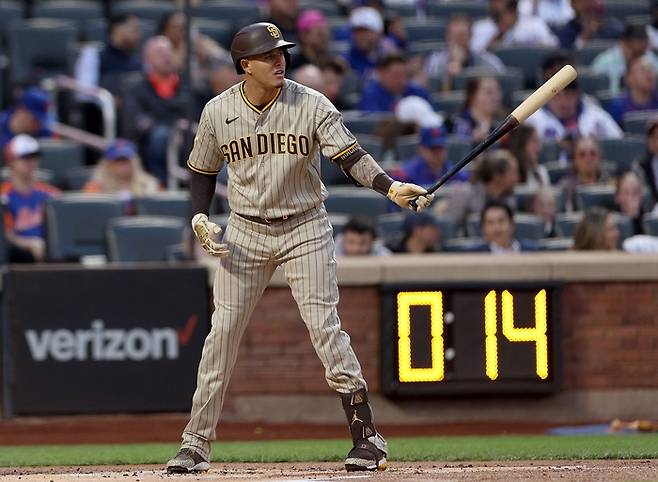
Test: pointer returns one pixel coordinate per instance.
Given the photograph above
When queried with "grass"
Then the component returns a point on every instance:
(402, 449)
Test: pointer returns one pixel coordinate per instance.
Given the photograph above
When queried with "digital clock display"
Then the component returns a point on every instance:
(470, 339)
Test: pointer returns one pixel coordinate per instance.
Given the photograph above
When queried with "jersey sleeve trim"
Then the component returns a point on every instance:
(202, 171)
(345, 152)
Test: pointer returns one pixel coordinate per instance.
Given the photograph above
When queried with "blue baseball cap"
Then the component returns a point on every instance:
(415, 220)
(37, 102)
(120, 149)
(432, 137)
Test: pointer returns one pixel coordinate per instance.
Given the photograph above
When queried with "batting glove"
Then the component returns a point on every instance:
(204, 229)
(402, 193)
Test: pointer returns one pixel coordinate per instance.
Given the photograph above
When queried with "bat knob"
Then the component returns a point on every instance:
(413, 205)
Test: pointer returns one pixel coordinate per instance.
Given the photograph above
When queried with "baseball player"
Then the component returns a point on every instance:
(270, 131)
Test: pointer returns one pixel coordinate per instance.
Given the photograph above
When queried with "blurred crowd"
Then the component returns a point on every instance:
(419, 83)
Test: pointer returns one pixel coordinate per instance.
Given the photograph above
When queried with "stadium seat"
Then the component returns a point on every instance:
(565, 223)
(424, 30)
(556, 171)
(473, 225)
(145, 9)
(528, 59)
(60, 157)
(41, 175)
(389, 227)
(221, 31)
(77, 177)
(458, 148)
(555, 244)
(473, 8)
(635, 123)
(10, 13)
(528, 226)
(625, 8)
(404, 10)
(524, 194)
(510, 81)
(173, 204)
(406, 147)
(40, 48)
(238, 13)
(143, 238)
(591, 83)
(597, 195)
(329, 8)
(451, 103)
(76, 224)
(650, 222)
(622, 151)
(359, 122)
(588, 52)
(356, 201)
(79, 12)
(424, 48)
(338, 221)
(625, 226)
(550, 151)
(462, 245)
(371, 144)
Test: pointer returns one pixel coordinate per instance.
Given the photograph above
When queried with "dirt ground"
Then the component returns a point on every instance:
(581, 470)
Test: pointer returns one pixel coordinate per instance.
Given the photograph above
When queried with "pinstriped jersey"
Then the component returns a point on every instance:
(272, 152)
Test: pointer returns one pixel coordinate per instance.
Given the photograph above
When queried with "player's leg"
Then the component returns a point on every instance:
(310, 268)
(239, 282)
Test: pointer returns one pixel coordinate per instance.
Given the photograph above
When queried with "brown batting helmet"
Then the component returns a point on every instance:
(255, 39)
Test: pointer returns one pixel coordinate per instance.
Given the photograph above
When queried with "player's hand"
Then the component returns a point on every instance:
(204, 230)
(402, 193)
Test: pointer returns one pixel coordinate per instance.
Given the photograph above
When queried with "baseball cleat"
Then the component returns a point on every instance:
(368, 454)
(187, 460)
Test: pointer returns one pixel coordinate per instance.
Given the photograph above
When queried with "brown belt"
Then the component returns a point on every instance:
(260, 220)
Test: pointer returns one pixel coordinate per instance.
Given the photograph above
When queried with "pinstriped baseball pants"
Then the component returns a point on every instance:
(304, 246)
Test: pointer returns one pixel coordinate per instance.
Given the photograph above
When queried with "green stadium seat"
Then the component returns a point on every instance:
(565, 223)
(60, 157)
(145, 9)
(650, 223)
(597, 195)
(137, 239)
(635, 123)
(473, 8)
(528, 59)
(424, 30)
(356, 201)
(588, 52)
(167, 203)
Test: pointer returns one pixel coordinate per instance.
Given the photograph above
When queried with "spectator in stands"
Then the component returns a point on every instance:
(334, 70)
(457, 55)
(421, 234)
(497, 227)
(310, 76)
(588, 170)
(29, 116)
(628, 200)
(391, 85)
(205, 51)
(588, 23)
(640, 92)
(153, 105)
(120, 172)
(652, 28)
(544, 205)
(359, 238)
(596, 231)
(614, 61)
(647, 166)
(367, 43)
(525, 145)
(482, 109)
(569, 113)
(119, 55)
(314, 36)
(555, 13)
(505, 28)
(431, 162)
(24, 198)
(495, 176)
(284, 14)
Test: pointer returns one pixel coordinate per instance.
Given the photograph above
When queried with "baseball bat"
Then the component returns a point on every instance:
(537, 99)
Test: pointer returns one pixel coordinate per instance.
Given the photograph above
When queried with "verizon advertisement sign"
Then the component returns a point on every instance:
(102, 340)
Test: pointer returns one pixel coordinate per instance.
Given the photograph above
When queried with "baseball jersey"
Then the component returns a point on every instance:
(24, 212)
(273, 151)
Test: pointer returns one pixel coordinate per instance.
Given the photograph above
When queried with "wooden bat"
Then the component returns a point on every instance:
(537, 99)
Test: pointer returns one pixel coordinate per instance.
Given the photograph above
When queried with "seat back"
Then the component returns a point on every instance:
(76, 224)
(356, 201)
(60, 157)
(174, 204)
(143, 238)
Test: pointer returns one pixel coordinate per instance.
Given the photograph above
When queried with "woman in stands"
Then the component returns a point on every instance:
(596, 231)
(482, 109)
(588, 170)
(525, 144)
(120, 172)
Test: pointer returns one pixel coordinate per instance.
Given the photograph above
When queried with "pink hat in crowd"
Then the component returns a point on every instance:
(309, 19)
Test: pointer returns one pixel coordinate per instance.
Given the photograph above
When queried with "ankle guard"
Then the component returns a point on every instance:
(359, 415)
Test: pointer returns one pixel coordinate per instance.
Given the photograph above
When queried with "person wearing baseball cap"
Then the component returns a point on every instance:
(431, 161)
(29, 116)
(120, 172)
(25, 198)
(420, 234)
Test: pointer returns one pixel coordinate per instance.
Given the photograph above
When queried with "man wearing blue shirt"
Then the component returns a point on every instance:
(391, 85)
(431, 161)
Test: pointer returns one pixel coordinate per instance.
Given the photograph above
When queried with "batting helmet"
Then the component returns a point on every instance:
(255, 39)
